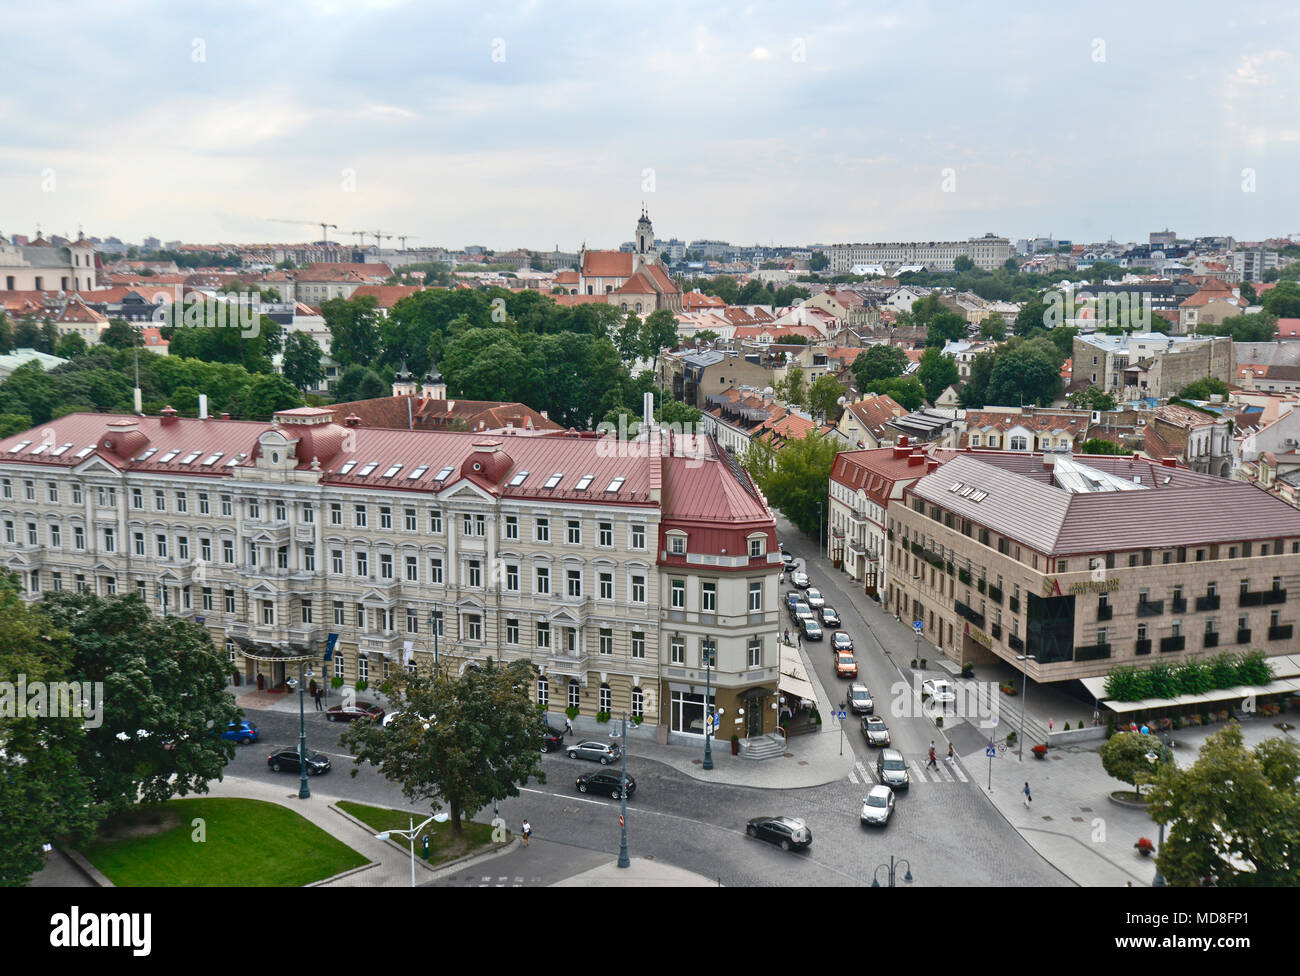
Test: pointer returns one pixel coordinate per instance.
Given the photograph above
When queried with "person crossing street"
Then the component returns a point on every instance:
(933, 764)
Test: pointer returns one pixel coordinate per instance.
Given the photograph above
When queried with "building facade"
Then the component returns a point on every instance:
(610, 567)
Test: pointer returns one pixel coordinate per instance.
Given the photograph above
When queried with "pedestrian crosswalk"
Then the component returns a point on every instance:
(942, 772)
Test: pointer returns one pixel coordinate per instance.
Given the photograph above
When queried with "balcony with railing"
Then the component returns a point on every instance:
(1211, 639)
(1243, 635)
(996, 630)
(1014, 605)
(1207, 602)
(995, 594)
(1280, 632)
(1150, 608)
(1015, 643)
(1142, 647)
(1169, 645)
(1178, 605)
(1105, 611)
(1091, 652)
(574, 664)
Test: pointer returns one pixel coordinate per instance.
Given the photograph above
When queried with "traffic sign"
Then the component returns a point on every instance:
(841, 714)
(991, 751)
(918, 626)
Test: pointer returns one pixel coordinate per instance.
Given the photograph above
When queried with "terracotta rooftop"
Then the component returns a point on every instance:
(424, 413)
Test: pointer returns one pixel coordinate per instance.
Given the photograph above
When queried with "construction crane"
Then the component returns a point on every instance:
(406, 237)
(323, 225)
(362, 235)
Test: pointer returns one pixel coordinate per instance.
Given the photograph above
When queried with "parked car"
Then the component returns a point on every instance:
(350, 713)
(876, 731)
(846, 665)
(829, 617)
(840, 641)
(286, 760)
(800, 579)
(242, 732)
(607, 783)
(552, 738)
(860, 699)
(787, 559)
(800, 611)
(877, 806)
(602, 752)
(938, 689)
(791, 600)
(814, 598)
(787, 831)
(811, 628)
(891, 769)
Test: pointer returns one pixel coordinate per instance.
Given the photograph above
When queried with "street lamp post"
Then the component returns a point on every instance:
(916, 617)
(410, 834)
(1024, 690)
(708, 693)
(1159, 880)
(433, 627)
(892, 866)
(304, 791)
(623, 860)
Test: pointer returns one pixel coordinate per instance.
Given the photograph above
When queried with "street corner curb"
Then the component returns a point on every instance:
(343, 874)
(406, 850)
(97, 877)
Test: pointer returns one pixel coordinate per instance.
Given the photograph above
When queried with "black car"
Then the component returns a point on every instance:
(552, 738)
(829, 617)
(607, 783)
(785, 831)
(286, 760)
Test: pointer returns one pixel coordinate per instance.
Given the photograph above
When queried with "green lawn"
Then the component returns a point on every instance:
(248, 843)
(445, 845)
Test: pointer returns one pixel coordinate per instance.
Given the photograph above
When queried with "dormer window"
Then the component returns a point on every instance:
(677, 545)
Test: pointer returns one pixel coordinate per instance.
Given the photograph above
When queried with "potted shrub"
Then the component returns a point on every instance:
(1011, 737)
(913, 662)
(1066, 728)
(541, 709)
(363, 684)
(336, 682)
(938, 721)
(602, 717)
(1144, 846)
(638, 719)
(968, 670)
(735, 744)
(922, 664)
(571, 711)
(1040, 751)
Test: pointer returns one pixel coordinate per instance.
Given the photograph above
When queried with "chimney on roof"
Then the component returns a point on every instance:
(931, 464)
(1169, 462)
(902, 441)
(203, 406)
(168, 416)
(914, 459)
(900, 452)
(224, 415)
(352, 420)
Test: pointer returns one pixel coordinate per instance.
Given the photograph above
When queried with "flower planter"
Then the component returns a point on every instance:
(1040, 752)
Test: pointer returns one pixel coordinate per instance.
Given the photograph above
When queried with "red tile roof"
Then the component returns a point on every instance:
(329, 271)
(386, 295)
(607, 264)
(421, 413)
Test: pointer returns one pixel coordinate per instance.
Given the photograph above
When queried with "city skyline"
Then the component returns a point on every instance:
(539, 127)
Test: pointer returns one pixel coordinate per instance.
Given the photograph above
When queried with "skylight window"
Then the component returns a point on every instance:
(143, 457)
(235, 460)
(40, 449)
(189, 458)
(443, 474)
(62, 448)
(365, 472)
(966, 492)
(979, 496)
(85, 450)
(167, 457)
(956, 486)
(392, 471)
(616, 484)
(18, 447)
(518, 479)
(554, 480)
(212, 459)
(418, 472)
(584, 482)
(347, 468)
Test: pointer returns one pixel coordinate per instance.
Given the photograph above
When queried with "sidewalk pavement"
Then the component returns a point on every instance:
(642, 873)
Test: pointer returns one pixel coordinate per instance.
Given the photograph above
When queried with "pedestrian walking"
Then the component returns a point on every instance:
(951, 756)
(1049, 725)
(932, 763)
(319, 695)
(527, 831)
(1028, 796)
(568, 725)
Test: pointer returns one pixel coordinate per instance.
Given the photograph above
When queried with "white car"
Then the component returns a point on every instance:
(814, 598)
(800, 579)
(877, 806)
(939, 689)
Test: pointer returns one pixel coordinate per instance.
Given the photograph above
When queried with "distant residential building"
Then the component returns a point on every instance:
(987, 252)
(1025, 429)
(865, 423)
(1150, 364)
(10, 361)
(1252, 262)
(1200, 441)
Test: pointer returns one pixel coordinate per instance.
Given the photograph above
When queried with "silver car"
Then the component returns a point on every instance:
(860, 700)
(811, 628)
(814, 598)
(891, 767)
(603, 752)
(876, 731)
(800, 579)
(878, 806)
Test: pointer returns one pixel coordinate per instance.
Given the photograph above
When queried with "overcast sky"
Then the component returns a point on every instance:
(549, 123)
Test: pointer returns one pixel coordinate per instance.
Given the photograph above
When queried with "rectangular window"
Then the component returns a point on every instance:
(359, 516)
(254, 509)
(677, 545)
(309, 558)
(228, 601)
(543, 580)
(282, 557)
(709, 598)
(512, 527)
(228, 551)
(755, 596)
(207, 598)
(363, 565)
(339, 617)
(638, 644)
(76, 494)
(385, 517)
(204, 507)
(543, 530)
(606, 535)
(435, 522)
(512, 578)
(110, 540)
(336, 513)
(574, 582)
(306, 611)
(227, 506)
(638, 589)
(137, 497)
(755, 656)
(468, 521)
(677, 594)
(139, 540)
(182, 547)
(512, 631)
(336, 562)
(308, 513)
(473, 627)
(268, 613)
(56, 536)
(78, 537)
(435, 571)
(755, 547)
(475, 573)
(385, 566)
(412, 620)
(573, 532)
(606, 640)
(408, 519)
(52, 492)
(544, 635)
(607, 586)
(638, 537)
(182, 503)
(677, 650)
(412, 570)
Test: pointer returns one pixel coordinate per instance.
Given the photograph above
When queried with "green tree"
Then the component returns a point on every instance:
(630, 342)
(1256, 327)
(1093, 398)
(962, 263)
(27, 334)
(1244, 836)
(354, 329)
(6, 333)
(818, 262)
(14, 423)
(1283, 300)
(1030, 318)
(798, 479)
(1124, 757)
(793, 390)
(824, 396)
(879, 363)
(658, 333)
(70, 346)
(119, 335)
(993, 327)
(48, 338)
(1096, 445)
(936, 372)
(906, 391)
(1248, 293)
(466, 741)
(672, 411)
(1024, 373)
(164, 693)
(301, 363)
(264, 395)
(707, 335)
(945, 327)
(1203, 389)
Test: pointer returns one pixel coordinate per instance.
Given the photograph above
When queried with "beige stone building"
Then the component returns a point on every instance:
(40, 266)
(1091, 562)
(611, 567)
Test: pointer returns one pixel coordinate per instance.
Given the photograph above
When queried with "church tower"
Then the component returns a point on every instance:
(645, 253)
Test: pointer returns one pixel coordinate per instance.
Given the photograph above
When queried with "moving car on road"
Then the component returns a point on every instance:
(840, 641)
(846, 665)
(788, 832)
(891, 768)
(877, 806)
(349, 713)
(787, 559)
(860, 700)
(811, 628)
(814, 598)
(876, 731)
(801, 611)
(552, 738)
(800, 579)
(606, 783)
(829, 617)
(939, 689)
(602, 752)
(286, 760)
(242, 732)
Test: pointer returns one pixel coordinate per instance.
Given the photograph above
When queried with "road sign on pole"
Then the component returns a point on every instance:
(918, 626)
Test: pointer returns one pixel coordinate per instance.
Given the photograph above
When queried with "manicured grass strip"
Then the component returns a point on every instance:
(248, 843)
(445, 846)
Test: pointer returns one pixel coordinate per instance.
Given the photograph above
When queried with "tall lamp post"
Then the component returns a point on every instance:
(410, 834)
(1024, 690)
(916, 617)
(892, 866)
(304, 791)
(623, 860)
(708, 693)
(433, 628)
